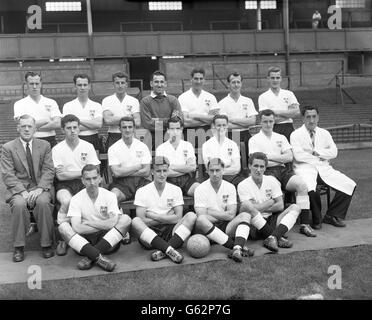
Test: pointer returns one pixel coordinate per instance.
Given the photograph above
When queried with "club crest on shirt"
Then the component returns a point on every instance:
(185, 153)
(83, 156)
(139, 154)
(279, 143)
(129, 108)
(286, 100)
(269, 193)
(207, 102)
(170, 203)
(253, 200)
(92, 113)
(103, 211)
(229, 151)
(245, 106)
(48, 107)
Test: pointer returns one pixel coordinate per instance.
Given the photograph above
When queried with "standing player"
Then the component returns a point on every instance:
(282, 102)
(44, 110)
(159, 222)
(220, 146)
(313, 148)
(198, 106)
(280, 157)
(129, 160)
(88, 111)
(97, 224)
(261, 197)
(216, 208)
(158, 107)
(181, 156)
(119, 105)
(239, 109)
(69, 157)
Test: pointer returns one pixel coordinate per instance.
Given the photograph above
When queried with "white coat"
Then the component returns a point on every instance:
(308, 166)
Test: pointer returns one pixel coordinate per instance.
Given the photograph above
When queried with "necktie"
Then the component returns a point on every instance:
(312, 136)
(30, 163)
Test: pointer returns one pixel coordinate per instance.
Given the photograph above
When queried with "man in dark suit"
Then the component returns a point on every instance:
(27, 170)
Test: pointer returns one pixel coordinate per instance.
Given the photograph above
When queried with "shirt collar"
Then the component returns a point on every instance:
(153, 95)
(24, 143)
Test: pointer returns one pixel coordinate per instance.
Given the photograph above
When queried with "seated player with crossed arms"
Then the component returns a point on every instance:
(69, 157)
(220, 146)
(261, 196)
(97, 224)
(159, 222)
(181, 156)
(216, 208)
(129, 160)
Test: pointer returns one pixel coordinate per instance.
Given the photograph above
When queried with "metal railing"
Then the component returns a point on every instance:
(131, 26)
(360, 132)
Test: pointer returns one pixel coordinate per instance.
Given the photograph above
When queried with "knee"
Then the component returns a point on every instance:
(302, 187)
(202, 223)
(245, 217)
(43, 199)
(190, 217)
(295, 207)
(18, 202)
(124, 221)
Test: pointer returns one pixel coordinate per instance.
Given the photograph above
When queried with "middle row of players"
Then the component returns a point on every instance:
(129, 160)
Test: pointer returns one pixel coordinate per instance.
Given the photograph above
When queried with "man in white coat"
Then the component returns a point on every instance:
(313, 148)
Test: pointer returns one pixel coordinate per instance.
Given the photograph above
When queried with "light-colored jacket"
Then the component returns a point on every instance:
(308, 166)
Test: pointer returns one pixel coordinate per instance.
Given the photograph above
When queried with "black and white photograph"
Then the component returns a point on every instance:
(186, 158)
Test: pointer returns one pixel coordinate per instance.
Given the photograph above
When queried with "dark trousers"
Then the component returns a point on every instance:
(112, 137)
(21, 219)
(337, 208)
(285, 129)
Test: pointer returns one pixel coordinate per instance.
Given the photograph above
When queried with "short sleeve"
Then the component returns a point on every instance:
(92, 156)
(74, 209)
(200, 198)
(113, 160)
(55, 110)
(140, 198)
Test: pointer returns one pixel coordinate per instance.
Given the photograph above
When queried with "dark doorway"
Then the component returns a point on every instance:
(142, 68)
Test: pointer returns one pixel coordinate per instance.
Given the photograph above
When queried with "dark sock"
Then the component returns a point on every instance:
(280, 230)
(229, 243)
(103, 246)
(176, 241)
(89, 251)
(239, 241)
(305, 216)
(266, 231)
(159, 243)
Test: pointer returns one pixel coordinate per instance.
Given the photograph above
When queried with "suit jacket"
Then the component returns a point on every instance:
(15, 171)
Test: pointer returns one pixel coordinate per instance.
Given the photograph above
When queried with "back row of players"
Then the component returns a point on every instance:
(215, 199)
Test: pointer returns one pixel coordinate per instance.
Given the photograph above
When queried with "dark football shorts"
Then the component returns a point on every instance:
(95, 237)
(73, 186)
(129, 185)
(164, 231)
(184, 182)
(282, 174)
(255, 234)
